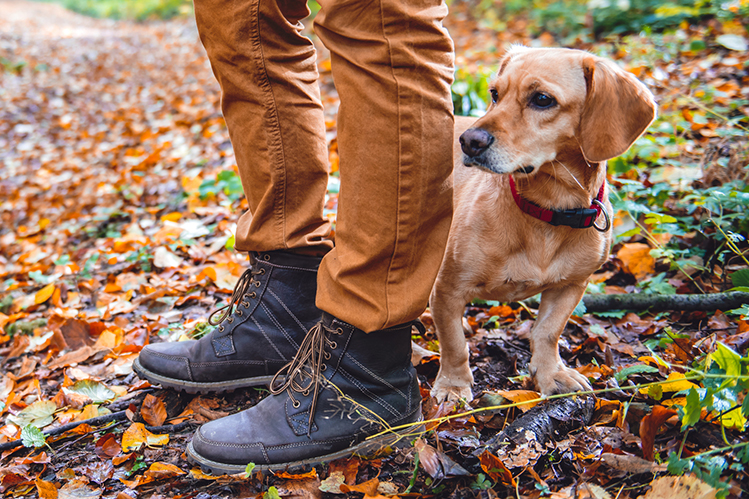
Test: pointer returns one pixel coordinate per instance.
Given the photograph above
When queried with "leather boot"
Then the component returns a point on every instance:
(343, 386)
(275, 308)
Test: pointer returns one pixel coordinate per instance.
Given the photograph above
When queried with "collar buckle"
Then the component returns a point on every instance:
(578, 218)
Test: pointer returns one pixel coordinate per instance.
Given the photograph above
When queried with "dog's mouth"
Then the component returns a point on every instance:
(487, 166)
(526, 169)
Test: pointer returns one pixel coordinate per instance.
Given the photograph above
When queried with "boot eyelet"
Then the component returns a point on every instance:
(334, 345)
(305, 393)
(266, 258)
(262, 271)
(327, 355)
(252, 295)
(339, 330)
(245, 304)
(296, 404)
(221, 328)
(324, 367)
(230, 320)
(257, 284)
(239, 313)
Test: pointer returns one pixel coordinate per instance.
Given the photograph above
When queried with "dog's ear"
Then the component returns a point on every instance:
(618, 109)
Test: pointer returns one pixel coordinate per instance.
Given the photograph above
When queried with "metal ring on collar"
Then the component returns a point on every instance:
(605, 216)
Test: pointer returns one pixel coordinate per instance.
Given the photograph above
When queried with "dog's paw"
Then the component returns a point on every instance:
(444, 393)
(453, 388)
(560, 380)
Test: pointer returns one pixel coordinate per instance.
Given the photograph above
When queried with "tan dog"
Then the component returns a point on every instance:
(557, 116)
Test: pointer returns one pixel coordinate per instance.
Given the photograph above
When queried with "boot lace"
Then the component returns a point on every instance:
(304, 372)
(241, 290)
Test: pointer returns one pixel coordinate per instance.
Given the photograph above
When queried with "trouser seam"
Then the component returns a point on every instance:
(275, 139)
(399, 166)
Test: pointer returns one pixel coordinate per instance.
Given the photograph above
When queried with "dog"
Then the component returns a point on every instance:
(531, 207)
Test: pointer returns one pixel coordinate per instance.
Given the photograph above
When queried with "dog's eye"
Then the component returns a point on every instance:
(495, 95)
(542, 101)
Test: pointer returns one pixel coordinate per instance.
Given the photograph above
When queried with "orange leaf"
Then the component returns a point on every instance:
(368, 488)
(153, 410)
(649, 427)
(304, 476)
(159, 471)
(516, 396)
(46, 490)
(636, 258)
(137, 435)
(496, 469)
(44, 294)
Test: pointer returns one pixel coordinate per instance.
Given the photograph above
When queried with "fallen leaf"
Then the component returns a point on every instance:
(649, 427)
(153, 410)
(631, 464)
(516, 396)
(46, 490)
(637, 260)
(681, 487)
(44, 294)
(137, 435)
(496, 469)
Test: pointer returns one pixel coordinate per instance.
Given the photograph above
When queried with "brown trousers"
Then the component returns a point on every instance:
(392, 63)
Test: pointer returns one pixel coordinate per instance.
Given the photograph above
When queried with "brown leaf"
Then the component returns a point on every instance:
(496, 469)
(107, 446)
(649, 427)
(368, 488)
(76, 333)
(46, 490)
(348, 466)
(153, 411)
(681, 487)
(631, 464)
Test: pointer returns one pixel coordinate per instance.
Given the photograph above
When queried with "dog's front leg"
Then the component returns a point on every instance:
(454, 379)
(546, 366)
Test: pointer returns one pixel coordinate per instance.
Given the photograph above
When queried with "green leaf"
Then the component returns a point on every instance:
(580, 309)
(31, 436)
(678, 466)
(248, 470)
(740, 278)
(745, 407)
(656, 392)
(636, 369)
(692, 410)
(38, 414)
(96, 391)
(272, 493)
(727, 359)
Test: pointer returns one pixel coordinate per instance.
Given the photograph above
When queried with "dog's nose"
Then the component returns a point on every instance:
(474, 141)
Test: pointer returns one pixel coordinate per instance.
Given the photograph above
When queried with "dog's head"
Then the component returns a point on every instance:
(549, 102)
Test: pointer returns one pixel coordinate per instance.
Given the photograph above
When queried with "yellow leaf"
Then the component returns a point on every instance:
(516, 396)
(682, 401)
(733, 419)
(137, 435)
(171, 217)
(676, 382)
(44, 294)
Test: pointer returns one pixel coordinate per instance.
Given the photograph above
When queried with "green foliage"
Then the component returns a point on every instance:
(470, 92)
(226, 182)
(248, 470)
(635, 369)
(272, 493)
(31, 436)
(481, 482)
(573, 18)
(139, 10)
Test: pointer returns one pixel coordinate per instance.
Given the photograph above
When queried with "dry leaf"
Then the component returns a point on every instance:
(46, 490)
(137, 435)
(496, 469)
(681, 487)
(649, 427)
(637, 260)
(153, 410)
(516, 396)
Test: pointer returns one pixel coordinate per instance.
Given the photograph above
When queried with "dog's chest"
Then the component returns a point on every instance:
(541, 263)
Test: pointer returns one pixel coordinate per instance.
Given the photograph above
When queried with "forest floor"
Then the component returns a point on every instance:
(118, 201)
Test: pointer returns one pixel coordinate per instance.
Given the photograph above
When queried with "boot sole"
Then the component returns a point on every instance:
(199, 387)
(365, 449)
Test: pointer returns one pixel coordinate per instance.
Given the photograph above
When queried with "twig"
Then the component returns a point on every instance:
(97, 421)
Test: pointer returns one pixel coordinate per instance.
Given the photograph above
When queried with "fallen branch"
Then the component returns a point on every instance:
(526, 438)
(657, 303)
(97, 421)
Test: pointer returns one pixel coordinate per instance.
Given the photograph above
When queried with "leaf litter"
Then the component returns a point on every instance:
(119, 197)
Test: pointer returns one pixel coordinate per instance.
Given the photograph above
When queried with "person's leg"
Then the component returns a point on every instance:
(393, 67)
(392, 63)
(271, 103)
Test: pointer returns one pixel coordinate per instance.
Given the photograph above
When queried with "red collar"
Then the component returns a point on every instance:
(578, 218)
